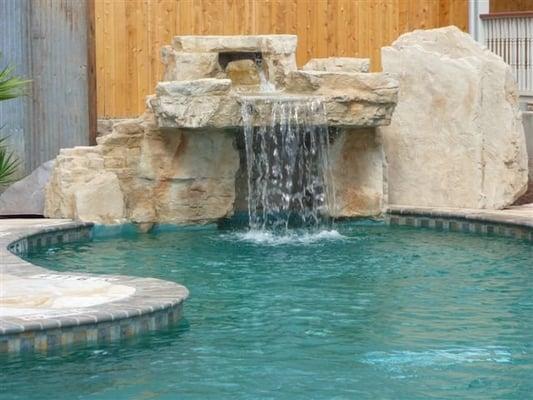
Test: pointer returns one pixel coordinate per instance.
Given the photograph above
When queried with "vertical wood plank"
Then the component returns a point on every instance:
(121, 91)
(302, 31)
(291, 17)
(264, 9)
(366, 28)
(129, 33)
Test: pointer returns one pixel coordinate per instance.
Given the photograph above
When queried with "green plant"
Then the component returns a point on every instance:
(11, 86)
(8, 164)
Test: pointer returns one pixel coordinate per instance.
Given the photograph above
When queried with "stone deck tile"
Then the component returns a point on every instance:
(151, 296)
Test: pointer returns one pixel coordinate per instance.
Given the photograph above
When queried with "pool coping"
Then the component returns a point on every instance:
(154, 305)
(515, 222)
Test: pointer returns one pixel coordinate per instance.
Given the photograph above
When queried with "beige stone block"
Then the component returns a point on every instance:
(338, 64)
(356, 163)
(100, 200)
(182, 66)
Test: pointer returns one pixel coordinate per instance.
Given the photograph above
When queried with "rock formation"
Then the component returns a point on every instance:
(456, 137)
(181, 162)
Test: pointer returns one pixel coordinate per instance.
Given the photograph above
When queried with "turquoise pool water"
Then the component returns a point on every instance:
(368, 312)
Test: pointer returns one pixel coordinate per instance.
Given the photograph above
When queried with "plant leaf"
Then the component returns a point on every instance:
(8, 164)
(11, 86)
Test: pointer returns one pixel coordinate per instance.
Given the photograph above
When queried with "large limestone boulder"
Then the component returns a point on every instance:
(456, 137)
(26, 197)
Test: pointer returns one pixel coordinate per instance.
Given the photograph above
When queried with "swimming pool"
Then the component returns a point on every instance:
(365, 311)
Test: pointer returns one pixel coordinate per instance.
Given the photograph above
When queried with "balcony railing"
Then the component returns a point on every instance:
(510, 35)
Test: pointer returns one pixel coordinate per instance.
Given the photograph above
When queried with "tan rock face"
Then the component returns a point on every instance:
(243, 73)
(100, 199)
(181, 66)
(197, 57)
(338, 64)
(81, 188)
(456, 138)
(271, 44)
(202, 103)
(357, 171)
(352, 99)
(146, 176)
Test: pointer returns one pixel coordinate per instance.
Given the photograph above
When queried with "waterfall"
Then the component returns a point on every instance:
(265, 86)
(289, 180)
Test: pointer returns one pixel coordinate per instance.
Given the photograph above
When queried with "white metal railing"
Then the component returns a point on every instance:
(510, 35)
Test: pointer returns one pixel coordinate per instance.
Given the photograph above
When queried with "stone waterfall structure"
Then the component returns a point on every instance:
(455, 138)
(185, 159)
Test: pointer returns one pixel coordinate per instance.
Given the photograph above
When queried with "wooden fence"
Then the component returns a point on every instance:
(510, 5)
(129, 33)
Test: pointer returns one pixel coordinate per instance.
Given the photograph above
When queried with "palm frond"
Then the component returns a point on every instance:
(8, 164)
(11, 86)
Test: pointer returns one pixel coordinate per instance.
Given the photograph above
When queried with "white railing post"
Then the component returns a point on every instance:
(510, 35)
(475, 26)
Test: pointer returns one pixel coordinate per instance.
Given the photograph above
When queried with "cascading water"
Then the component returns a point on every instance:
(289, 181)
(265, 86)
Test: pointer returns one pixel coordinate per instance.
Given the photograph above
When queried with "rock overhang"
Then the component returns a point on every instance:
(352, 99)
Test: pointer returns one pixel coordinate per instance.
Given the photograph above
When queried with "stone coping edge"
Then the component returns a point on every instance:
(510, 222)
(155, 304)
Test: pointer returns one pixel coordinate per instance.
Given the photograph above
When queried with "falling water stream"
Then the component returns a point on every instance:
(289, 181)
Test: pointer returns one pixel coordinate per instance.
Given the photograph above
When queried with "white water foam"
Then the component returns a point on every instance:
(296, 237)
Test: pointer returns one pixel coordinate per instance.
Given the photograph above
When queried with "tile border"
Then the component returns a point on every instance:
(155, 304)
(508, 223)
